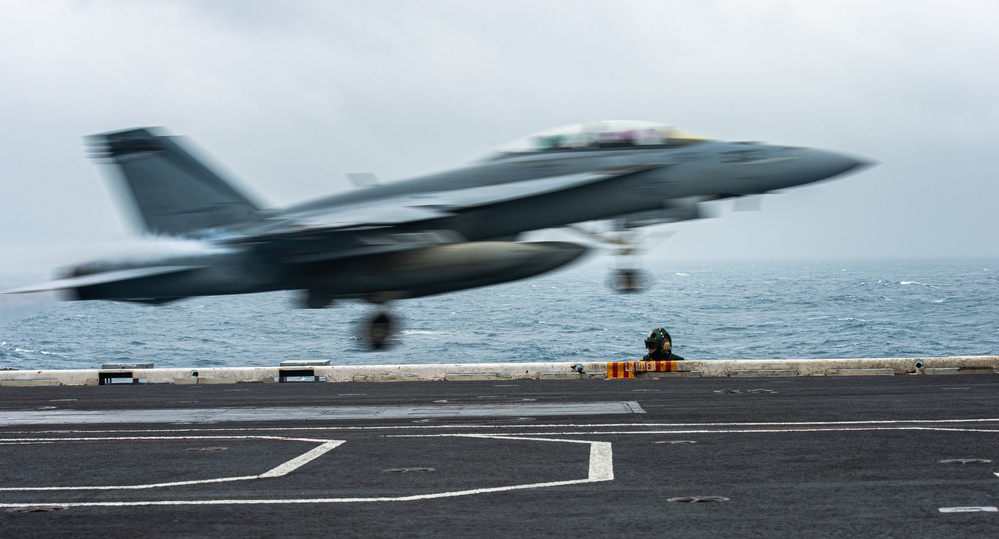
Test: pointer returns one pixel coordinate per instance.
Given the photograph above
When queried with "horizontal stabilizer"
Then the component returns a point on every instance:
(114, 276)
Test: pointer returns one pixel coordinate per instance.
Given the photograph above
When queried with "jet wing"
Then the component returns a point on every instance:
(100, 278)
(425, 206)
(460, 199)
(366, 228)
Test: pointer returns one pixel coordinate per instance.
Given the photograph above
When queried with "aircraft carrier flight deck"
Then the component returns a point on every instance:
(852, 451)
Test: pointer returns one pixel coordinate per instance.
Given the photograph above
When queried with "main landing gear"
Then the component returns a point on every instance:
(379, 331)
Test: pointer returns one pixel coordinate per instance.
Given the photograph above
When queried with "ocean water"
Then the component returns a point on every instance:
(761, 310)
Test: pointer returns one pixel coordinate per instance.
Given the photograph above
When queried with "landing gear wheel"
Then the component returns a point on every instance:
(379, 331)
(629, 281)
(313, 299)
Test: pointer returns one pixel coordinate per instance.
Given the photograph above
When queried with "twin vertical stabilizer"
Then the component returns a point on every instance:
(174, 193)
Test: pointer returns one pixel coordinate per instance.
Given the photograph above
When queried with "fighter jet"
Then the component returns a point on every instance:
(432, 234)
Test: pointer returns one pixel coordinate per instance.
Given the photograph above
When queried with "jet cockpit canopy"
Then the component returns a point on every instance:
(601, 134)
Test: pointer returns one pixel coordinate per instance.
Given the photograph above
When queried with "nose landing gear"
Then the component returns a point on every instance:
(629, 280)
(626, 246)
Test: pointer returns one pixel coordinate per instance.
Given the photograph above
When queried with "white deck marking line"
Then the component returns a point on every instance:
(302, 460)
(601, 462)
(601, 454)
(696, 431)
(977, 509)
(278, 471)
(331, 413)
(457, 426)
(600, 468)
(14, 441)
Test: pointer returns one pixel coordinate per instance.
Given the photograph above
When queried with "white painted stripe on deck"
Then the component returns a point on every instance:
(978, 509)
(699, 427)
(302, 460)
(283, 469)
(220, 415)
(600, 468)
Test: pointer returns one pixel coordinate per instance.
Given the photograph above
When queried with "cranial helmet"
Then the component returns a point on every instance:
(657, 337)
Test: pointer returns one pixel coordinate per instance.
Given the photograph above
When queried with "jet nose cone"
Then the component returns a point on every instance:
(827, 164)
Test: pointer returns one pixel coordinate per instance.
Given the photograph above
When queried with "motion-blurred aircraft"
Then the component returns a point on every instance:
(427, 235)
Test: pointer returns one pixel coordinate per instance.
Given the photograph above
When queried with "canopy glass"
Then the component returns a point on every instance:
(602, 134)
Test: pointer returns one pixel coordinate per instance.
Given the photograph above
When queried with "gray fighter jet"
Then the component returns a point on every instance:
(427, 235)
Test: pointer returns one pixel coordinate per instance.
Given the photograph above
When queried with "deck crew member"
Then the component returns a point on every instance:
(660, 346)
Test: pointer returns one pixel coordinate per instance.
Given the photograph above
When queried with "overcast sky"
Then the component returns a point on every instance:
(288, 96)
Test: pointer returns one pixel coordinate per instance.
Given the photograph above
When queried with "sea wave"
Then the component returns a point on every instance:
(713, 311)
